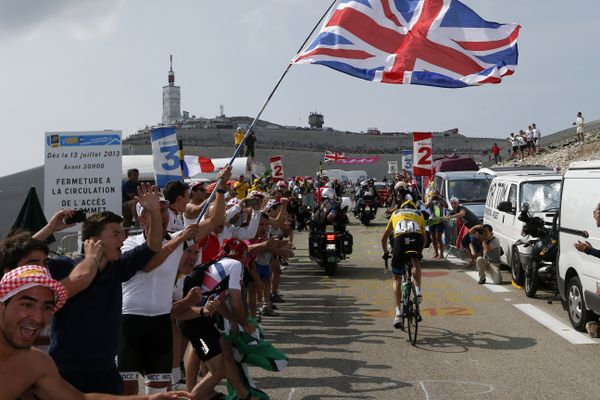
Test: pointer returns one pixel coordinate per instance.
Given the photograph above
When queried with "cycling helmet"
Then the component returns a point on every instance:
(364, 183)
(400, 185)
(234, 248)
(281, 185)
(409, 204)
(328, 194)
(329, 185)
(346, 203)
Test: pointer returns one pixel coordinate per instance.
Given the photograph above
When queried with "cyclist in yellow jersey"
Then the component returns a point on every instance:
(408, 227)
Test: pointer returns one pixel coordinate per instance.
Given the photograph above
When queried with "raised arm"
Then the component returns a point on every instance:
(56, 224)
(84, 273)
(148, 197)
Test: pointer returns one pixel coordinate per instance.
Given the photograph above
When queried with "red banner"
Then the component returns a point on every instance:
(358, 160)
(276, 167)
(422, 157)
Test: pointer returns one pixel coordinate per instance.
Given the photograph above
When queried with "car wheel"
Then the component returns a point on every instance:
(518, 275)
(578, 314)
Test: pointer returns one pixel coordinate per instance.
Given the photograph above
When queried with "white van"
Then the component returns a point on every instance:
(579, 273)
(469, 187)
(503, 205)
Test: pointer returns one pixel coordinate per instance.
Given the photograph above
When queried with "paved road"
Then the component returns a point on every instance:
(474, 343)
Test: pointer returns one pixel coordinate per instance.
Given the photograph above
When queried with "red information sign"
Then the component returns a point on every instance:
(277, 167)
(422, 159)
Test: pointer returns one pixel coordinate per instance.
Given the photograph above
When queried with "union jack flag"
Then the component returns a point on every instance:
(333, 157)
(420, 42)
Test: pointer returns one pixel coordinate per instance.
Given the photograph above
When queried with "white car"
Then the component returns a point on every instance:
(541, 190)
(579, 273)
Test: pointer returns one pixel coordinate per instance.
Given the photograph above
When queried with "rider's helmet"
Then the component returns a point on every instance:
(281, 185)
(329, 185)
(364, 183)
(409, 204)
(400, 185)
(234, 248)
(328, 194)
(346, 203)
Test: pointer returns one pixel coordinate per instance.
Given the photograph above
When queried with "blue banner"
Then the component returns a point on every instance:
(57, 140)
(164, 154)
(407, 160)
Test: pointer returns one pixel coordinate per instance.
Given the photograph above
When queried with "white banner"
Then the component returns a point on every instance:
(167, 166)
(82, 170)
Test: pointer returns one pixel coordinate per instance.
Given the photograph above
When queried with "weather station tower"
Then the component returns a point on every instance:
(171, 100)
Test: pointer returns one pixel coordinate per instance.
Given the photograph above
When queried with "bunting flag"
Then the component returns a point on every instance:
(333, 157)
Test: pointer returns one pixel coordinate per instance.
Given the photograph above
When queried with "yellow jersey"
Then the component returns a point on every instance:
(404, 221)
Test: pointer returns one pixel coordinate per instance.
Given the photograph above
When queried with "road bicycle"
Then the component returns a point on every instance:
(411, 315)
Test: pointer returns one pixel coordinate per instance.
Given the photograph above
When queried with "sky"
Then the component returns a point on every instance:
(70, 65)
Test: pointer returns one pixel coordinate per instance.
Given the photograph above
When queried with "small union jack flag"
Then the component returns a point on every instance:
(420, 42)
(333, 157)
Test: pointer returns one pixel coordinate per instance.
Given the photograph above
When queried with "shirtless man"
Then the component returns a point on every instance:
(28, 298)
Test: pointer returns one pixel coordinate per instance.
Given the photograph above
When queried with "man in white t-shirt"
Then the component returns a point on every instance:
(537, 135)
(177, 194)
(579, 123)
(145, 346)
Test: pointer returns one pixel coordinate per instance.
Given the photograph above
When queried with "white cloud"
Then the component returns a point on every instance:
(77, 19)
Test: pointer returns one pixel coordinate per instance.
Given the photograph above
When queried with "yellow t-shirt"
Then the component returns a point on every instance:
(404, 221)
(241, 190)
(238, 137)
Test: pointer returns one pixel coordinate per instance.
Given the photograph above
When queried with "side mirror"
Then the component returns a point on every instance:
(505, 206)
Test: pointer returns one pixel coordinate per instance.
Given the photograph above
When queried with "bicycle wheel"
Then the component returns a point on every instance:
(413, 315)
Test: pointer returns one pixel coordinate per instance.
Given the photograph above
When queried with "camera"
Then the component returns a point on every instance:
(78, 216)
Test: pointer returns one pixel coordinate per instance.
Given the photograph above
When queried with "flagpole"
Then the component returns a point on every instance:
(241, 145)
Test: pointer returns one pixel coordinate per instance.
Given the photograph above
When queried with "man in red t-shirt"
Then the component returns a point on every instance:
(496, 152)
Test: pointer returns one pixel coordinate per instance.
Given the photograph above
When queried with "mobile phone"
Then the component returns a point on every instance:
(78, 216)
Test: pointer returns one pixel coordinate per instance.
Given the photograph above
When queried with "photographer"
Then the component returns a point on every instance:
(436, 206)
(490, 261)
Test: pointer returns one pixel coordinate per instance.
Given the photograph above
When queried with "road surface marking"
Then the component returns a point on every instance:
(492, 287)
(291, 394)
(555, 325)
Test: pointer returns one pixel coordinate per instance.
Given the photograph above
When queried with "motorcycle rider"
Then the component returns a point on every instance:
(367, 192)
(329, 211)
(408, 227)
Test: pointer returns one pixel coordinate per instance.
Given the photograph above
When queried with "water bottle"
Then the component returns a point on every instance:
(405, 290)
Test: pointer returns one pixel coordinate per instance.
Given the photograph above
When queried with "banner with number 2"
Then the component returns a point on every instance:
(422, 159)
(277, 167)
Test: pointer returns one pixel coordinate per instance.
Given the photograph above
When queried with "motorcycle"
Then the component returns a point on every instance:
(367, 213)
(328, 245)
(329, 248)
(537, 251)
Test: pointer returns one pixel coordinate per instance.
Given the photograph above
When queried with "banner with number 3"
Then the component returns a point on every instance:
(422, 159)
(164, 155)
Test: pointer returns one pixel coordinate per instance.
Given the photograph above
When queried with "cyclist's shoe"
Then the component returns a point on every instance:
(419, 318)
(276, 298)
(481, 281)
(398, 322)
(419, 298)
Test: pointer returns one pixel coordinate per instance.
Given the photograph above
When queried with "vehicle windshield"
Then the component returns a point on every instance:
(541, 196)
(469, 190)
